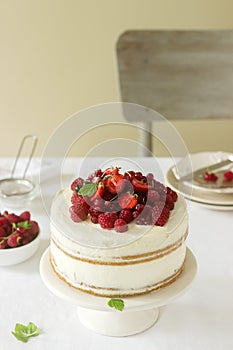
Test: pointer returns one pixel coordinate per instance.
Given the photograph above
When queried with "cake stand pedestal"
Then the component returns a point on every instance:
(140, 312)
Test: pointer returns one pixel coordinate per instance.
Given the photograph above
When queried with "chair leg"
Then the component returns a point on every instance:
(145, 148)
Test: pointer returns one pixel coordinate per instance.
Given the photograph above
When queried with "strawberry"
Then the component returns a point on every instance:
(127, 200)
(115, 183)
(99, 192)
(129, 175)
(139, 186)
(111, 171)
(25, 216)
(14, 240)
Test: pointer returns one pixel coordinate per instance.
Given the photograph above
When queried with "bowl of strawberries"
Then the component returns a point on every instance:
(19, 237)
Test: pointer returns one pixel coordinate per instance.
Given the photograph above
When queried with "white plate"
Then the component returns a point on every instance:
(212, 199)
(214, 206)
(203, 160)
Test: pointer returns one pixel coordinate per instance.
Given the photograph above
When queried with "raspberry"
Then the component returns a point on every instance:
(228, 175)
(94, 211)
(13, 218)
(172, 193)
(106, 220)
(156, 212)
(120, 226)
(3, 243)
(94, 219)
(210, 177)
(139, 207)
(135, 214)
(77, 184)
(146, 215)
(158, 186)
(78, 213)
(98, 172)
(141, 221)
(34, 229)
(25, 216)
(80, 201)
(126, 215)
(162, 220)
(153, 196)
(169, 202)
(77, 199)
(3, 221)
(110, 206)
(2, 232)
(14, 240)
(150, 177)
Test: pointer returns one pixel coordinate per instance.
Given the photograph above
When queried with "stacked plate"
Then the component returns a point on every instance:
(185, 178)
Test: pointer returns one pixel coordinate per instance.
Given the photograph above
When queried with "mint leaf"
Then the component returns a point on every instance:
(23, 333)
(88, 189)
(25, 224)
(118, 304)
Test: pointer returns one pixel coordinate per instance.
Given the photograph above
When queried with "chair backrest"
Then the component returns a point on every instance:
(181, 74)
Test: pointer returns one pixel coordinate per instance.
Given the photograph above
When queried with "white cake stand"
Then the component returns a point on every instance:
(140, 312)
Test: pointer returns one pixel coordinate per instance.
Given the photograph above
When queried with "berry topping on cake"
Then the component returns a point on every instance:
(17, 230)
(107, 220)
(128, 200)
(120, 225)
(113, 200)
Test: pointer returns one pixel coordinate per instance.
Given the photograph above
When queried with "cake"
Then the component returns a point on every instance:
(114, 237)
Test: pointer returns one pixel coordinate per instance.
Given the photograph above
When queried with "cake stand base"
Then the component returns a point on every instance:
(118, 324)
(140, 312)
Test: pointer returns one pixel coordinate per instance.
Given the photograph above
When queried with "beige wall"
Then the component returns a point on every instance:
(58, 57)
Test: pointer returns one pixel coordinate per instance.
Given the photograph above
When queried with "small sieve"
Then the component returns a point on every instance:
(19, 186)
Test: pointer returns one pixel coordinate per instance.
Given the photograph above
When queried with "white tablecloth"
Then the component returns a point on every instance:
(201, 319)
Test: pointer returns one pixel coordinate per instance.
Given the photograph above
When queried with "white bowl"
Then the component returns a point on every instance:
(12, 256)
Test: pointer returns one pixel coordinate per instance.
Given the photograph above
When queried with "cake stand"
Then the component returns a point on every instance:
(140, 312)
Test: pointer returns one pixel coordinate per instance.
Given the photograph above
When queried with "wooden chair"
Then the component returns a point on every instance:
(182, 74)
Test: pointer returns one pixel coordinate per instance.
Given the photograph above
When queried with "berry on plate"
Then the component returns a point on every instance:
(228, 175)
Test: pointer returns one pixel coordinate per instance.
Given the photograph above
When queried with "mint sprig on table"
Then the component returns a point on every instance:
(23, 333)
(118, 304)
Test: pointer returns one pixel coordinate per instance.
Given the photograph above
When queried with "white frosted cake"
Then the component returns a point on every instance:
(134, 254)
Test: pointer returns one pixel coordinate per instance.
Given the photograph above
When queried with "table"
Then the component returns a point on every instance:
(201, 319)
